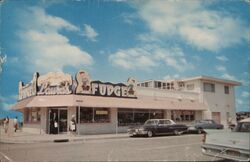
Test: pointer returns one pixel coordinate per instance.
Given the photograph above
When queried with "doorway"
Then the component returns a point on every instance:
(216, 116)
(58, 120)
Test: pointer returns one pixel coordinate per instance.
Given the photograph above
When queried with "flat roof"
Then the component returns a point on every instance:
(203, 78)
(213, 79)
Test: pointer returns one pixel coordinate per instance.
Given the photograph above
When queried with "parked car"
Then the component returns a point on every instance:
(200, 125)
(154, 127)
(232, 145)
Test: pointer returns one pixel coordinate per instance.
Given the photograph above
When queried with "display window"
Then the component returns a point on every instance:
(32, 115)
(127, 117)
(94, 115)
(182, 115)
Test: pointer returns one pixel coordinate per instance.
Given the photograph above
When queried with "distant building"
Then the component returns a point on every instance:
(50, 102)
(217, 95)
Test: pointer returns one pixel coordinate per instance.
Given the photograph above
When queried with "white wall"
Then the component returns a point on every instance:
(218, 101)
(39, 127)
(154, 93)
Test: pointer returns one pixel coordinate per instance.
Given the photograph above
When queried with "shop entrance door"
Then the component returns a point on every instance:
(58, 120)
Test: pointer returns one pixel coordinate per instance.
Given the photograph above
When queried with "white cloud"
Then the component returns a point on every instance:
(199, 26)
(44, 48)
(6, 101)
(89, 32)
(229, 77)
(3, 59)
(150, 56)
(222, 58)
(221, 68)
(134, 58)
(171, 77)
(245, 94)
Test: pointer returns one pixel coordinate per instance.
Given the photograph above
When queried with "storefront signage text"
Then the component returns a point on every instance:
(113, 90)
(53, 90)
(29, 89)
(56, 83)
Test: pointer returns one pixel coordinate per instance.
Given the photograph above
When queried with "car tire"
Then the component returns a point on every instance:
(150, 134)
(199, 131)
(176, 132)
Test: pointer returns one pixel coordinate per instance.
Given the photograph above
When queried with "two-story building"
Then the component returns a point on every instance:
(216, 94)
(50, 102)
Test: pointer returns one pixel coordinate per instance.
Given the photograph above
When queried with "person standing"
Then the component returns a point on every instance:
(6, 124)
(73, 124)
(15, 122)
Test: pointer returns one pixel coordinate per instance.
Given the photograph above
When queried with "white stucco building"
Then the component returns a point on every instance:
(50, 102)
(218, 95)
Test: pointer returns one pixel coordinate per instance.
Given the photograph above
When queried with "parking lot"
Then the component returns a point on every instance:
(162, 148)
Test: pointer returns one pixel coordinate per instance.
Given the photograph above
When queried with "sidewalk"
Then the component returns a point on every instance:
(23, 137)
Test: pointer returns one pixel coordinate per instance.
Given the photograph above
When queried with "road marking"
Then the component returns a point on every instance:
(6, 157)
(171, 146)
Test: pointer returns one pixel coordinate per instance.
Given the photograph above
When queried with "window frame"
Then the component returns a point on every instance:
(207, 89)
(226, 89)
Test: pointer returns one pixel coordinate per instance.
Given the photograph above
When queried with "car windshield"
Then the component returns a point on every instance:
(243, 127)
(151, 122)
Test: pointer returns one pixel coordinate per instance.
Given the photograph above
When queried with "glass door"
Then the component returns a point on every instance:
(63, 120)
(53, 121)
(58, 120)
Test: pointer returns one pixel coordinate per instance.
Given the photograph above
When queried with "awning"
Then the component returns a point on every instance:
(109, 102)
(46, 101)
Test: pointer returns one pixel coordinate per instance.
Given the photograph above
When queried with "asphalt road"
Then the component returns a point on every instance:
(164, 148)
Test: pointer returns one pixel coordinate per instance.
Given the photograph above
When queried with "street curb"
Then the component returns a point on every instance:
(60, 140)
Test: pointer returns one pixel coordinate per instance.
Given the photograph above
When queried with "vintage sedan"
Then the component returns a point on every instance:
(200, 125)
(154, 127)
(233, 145)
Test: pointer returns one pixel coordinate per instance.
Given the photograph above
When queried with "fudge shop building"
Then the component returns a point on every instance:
(50, 102)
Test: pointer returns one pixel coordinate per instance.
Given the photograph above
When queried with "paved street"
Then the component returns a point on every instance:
(167, 148)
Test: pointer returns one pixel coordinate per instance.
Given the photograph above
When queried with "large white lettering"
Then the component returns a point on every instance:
(124, 91)
(94, 88)
(110, 89)
(103, 89)
(53, 90)
(117, 90)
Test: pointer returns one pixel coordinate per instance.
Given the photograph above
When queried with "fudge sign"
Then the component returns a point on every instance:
(98, 88)
(59, 83)
(108, 89)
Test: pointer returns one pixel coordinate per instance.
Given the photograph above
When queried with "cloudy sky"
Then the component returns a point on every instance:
(114, 40)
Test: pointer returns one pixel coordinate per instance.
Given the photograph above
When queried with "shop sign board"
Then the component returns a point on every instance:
(58, 83)
(29, 89)
(98, 88)
(108, 89)
(54, 83)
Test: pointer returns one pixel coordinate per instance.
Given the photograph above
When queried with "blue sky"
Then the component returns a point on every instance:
(114, 40)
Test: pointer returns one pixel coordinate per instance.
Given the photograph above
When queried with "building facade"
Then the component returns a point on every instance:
(51, 102)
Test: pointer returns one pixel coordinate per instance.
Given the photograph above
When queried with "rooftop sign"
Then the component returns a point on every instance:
(58, 83)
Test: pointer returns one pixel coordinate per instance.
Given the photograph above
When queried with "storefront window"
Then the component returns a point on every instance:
(137, 116)
(182, 115)
(86, 115)
(156, 114)
(94, 115)
(140, 116)
(32, 115)
(125, 117)
(101, 115)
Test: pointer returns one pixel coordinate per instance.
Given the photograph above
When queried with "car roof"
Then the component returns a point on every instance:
(245, 120)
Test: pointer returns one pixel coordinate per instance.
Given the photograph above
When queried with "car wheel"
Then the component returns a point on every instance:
(150, 134)
(176, 132)
(199, 131)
